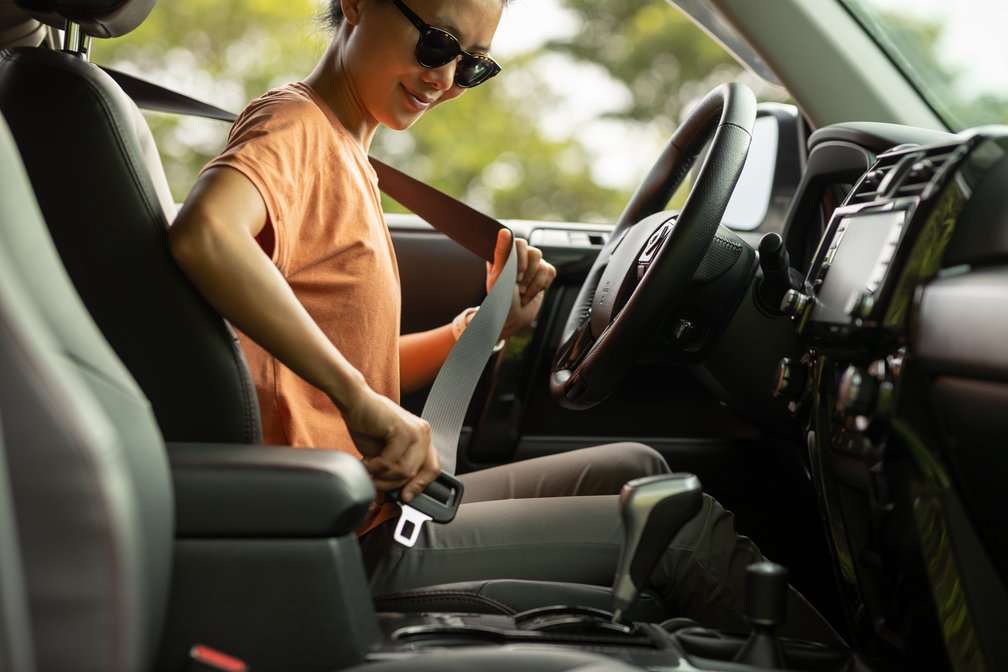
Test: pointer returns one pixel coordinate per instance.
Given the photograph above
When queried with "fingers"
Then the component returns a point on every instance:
(403, 454)
(429, 471)
(538, 277)
(522, 253)
(396, 445)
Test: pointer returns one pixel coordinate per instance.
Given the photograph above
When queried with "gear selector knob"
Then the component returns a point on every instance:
(653, 509)
(766, 608)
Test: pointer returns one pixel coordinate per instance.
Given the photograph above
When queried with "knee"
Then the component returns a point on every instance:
(646, 460)
(633, 460)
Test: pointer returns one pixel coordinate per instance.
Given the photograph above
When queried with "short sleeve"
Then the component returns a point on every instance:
(272, 144)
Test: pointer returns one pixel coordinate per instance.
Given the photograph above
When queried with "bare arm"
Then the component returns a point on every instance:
(213, 241)
(422, 354)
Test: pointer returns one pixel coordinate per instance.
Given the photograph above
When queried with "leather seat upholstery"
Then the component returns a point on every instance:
(15, 632)
(99, 180)
(93, 497)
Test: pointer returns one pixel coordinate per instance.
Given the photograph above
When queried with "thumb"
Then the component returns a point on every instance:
(501, 251)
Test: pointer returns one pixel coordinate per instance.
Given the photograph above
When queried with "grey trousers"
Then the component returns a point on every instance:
(556, 518)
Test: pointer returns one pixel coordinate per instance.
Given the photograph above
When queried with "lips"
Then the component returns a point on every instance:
(417, 101)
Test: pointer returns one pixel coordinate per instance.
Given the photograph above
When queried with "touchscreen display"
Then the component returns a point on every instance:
(857, 262)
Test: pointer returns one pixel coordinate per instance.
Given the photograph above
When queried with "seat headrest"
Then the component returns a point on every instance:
(17, 29)
(98, 18)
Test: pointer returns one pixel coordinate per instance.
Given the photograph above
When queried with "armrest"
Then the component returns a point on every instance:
(231, 490)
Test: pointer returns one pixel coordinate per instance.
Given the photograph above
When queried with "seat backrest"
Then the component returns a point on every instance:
(95, 171)
(92, 499)
(16, 651)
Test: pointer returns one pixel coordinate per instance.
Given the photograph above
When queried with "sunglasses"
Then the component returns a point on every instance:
(437, 47)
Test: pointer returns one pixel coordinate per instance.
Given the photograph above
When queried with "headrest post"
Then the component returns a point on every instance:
(76, 41)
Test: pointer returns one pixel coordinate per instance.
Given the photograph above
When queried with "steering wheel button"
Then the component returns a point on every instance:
(683, 332)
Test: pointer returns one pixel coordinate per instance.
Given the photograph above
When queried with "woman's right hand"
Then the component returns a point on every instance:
(396, 445)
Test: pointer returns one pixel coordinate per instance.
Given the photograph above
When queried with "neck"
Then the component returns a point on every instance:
(333, 83)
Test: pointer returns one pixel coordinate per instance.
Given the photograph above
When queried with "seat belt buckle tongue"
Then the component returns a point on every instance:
(415, 519)
(438, 502)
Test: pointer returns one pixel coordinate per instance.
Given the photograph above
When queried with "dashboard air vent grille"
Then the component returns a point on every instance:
(867, 189)
(904, 173)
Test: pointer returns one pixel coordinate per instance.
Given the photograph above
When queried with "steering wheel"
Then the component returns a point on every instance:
(651, 255)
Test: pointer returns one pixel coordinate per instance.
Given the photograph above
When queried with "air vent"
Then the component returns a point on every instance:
(867, 189)
(922, 171)
(905, 173)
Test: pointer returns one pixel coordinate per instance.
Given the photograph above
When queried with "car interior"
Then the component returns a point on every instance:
(836, 377)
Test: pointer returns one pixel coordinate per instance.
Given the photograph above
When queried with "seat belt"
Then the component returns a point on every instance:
(453, 387)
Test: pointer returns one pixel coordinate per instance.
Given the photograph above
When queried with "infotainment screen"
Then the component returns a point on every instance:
(856, 260)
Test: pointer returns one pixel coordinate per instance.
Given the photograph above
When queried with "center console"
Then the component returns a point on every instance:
(653, 510)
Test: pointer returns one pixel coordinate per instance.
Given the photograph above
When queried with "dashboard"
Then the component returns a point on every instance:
(901, 379)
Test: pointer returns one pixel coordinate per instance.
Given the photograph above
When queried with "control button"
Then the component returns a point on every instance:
(683, 332)
(858, 391)
(791, 379)
(794, 302)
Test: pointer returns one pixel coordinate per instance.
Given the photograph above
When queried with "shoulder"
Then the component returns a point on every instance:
(285, 113)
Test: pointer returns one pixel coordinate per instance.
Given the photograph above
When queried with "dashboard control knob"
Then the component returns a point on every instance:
(791, 379)
(858, 392)
(794, 302)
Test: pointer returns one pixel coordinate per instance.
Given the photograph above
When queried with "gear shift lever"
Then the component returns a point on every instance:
(766, 607)
(654, 509)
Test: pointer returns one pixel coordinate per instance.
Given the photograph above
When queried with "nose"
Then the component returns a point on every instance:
(442, 78)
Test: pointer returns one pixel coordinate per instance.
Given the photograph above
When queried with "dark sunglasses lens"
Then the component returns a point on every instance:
(437, 48)
(472, 71)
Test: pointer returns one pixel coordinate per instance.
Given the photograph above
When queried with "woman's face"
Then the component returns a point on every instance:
(389, 83)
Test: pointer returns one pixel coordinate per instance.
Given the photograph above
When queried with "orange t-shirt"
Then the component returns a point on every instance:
(326, 232)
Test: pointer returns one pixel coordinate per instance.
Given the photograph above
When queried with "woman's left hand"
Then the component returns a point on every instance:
(534, 278)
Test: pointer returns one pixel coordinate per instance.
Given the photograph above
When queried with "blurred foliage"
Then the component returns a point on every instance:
(660, 55)
(489, 147)
(917, 40)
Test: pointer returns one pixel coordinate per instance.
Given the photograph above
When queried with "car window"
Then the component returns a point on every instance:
(589, 94)
(955, 53)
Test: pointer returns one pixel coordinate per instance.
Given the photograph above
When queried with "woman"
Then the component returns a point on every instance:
(319, 316)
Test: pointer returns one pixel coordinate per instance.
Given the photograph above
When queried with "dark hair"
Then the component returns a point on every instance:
(333, 17)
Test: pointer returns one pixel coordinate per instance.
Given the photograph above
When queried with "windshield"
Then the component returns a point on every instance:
(954, 53)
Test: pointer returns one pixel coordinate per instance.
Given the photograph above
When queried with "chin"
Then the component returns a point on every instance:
(401, 123)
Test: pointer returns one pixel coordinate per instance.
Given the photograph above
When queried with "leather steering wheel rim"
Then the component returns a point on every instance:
(615, 314)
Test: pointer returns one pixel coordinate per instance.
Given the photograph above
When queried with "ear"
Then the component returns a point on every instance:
(352, 10)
